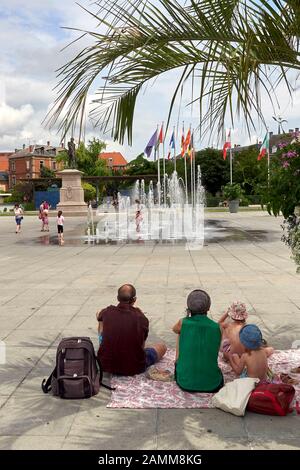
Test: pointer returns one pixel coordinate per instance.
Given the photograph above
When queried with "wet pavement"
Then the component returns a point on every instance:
(215, 231)
(48, 292)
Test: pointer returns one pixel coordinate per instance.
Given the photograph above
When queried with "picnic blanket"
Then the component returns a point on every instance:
(140, 392)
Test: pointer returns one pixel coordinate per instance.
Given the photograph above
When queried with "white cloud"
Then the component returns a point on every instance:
(12, 118)
(31, 42)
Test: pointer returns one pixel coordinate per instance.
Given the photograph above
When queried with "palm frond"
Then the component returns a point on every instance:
(233, 48)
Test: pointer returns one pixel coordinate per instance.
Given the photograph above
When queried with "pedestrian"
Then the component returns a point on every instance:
(45, 220)
(60, 227)
(18, 217)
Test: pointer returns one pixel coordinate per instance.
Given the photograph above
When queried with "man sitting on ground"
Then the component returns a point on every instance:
(123, 330)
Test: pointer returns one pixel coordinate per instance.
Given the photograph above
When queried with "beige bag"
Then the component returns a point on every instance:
(234, 396)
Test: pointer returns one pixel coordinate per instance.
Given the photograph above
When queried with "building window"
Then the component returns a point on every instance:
(13, 166)
(110, 162)
(27, 165)
(41, 164)
(13, 180)
(274, 149)
(54, 166)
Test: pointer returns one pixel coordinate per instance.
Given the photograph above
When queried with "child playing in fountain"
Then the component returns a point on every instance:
(254, 361)
(45, 219)
(138, 216)
(60, 227)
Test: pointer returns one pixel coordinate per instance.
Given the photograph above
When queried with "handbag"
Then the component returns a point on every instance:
(234, 396)
(271, 399)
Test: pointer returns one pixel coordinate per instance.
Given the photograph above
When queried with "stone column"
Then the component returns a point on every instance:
(71, 193)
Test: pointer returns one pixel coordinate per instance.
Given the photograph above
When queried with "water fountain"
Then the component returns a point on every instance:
(172, 220)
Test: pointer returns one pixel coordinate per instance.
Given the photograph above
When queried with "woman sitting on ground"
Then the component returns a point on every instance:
(199, 339)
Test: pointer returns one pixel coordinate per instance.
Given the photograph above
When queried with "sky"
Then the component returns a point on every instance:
(32, 38)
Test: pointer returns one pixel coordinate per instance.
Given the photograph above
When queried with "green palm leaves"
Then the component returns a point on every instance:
(231, 50)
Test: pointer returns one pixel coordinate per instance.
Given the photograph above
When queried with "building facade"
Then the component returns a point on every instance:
(4, 170)
(28, 162)
(114, 160)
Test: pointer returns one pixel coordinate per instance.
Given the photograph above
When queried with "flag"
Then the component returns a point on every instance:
(169, 155)
(152, 142)
(227, 145)
(161, 136)
(191, 147)
(187, 141)
(264, 148)
(172, 141)
(182, 142)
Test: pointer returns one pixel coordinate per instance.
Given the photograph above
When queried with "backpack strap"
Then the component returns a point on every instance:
(101, 376)
(46, 384)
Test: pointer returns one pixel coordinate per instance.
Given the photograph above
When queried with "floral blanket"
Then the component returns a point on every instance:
(140, 392)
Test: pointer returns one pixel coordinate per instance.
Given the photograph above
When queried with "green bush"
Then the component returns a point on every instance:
(213, 201)
(29, 206)
(89, 192)
(244, 201)
(232, 191)
(254, 199)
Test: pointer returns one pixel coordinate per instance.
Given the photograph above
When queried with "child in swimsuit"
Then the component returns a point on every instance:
(254, 361)
(231, 323)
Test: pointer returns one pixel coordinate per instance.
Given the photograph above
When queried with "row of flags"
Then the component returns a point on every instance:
(264, 149)
(187, 143)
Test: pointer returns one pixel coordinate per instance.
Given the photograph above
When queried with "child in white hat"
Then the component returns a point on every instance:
(233, 320)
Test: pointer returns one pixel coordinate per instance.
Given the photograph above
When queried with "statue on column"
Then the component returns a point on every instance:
(72, 154)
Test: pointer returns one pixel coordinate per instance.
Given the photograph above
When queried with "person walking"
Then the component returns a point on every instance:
(18, 217)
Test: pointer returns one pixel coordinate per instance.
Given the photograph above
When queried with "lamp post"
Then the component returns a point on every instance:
(279, 121)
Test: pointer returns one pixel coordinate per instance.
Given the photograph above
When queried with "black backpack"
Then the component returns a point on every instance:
(78, 372)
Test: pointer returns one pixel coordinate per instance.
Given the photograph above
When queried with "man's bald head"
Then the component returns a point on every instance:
(127, 294)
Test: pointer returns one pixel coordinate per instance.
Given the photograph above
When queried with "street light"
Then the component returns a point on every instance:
(279, 120)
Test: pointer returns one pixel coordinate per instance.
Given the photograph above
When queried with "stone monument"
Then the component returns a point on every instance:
(71, 192)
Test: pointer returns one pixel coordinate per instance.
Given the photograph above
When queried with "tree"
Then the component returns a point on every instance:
(227, 49)
(47, 172)
(89, 192)
(282, 194)
(214, 169)
(248, 171)
(22, 192)
(88, 158)
(141, 166)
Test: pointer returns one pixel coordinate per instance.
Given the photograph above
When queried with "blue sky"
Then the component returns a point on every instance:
(32, 38)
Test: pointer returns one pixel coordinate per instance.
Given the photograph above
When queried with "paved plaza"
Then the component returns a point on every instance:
(49, 292)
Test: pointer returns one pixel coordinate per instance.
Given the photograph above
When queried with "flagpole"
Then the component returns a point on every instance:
(174, 149)
(194, 167)
(185, 166)
(164, 165)
(186, 179)
(192, 177)
(268, 156)
(158, 175)
(230, 153)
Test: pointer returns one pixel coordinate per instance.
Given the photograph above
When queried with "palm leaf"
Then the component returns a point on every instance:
(234, 48)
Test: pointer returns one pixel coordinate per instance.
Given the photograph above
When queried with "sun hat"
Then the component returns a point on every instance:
(251, 337)
(238, 311)
(198, 301)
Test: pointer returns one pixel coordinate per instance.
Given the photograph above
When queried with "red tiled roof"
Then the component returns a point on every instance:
(117, 158)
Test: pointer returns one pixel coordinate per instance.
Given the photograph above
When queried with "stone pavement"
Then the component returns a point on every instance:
(48, 292)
